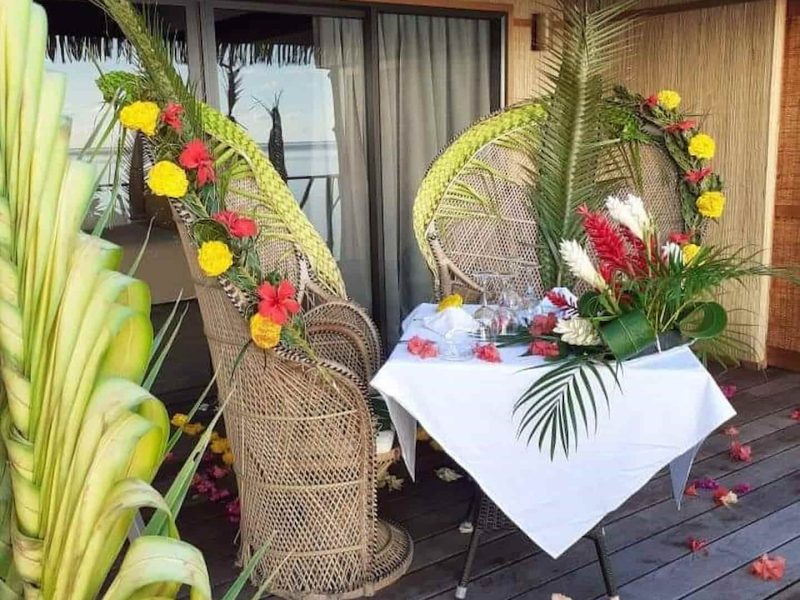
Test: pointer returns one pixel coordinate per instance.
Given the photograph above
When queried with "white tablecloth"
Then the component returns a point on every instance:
(668, 405)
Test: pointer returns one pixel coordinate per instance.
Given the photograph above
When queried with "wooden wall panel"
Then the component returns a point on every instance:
(784, 323)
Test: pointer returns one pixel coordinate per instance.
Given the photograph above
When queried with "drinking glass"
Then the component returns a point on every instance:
(530, 300)
(484, 315)
(509, 304)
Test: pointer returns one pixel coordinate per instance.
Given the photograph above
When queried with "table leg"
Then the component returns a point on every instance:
(598, 536)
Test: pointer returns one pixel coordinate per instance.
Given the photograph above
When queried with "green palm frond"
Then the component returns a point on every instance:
(574, 145)
(556, 405)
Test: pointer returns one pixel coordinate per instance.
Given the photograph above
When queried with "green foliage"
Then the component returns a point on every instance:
(574, 146)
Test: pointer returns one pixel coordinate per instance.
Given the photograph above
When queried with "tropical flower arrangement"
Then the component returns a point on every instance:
(658, 119)
(647, 292)
(187, 171)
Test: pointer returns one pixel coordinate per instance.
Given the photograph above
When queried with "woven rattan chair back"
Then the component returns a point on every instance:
(302, 436)
(472, 213)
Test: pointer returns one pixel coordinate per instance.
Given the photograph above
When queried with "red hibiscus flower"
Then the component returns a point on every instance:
(684, 125)
(741, 452)
(740, 489)
(423, 348)
(695, 176)
(767, 568)
(544, 348)
(680, 238)
(239, 227)
(277, 301)
(543, 324)
(487, 352)
(728, 390)
(196, 156)
(171, 115)
(651, 101)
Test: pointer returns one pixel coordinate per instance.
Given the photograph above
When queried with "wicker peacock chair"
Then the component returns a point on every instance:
(301, 426)
(471, 213)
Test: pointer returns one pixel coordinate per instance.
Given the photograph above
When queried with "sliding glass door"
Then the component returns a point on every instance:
(296, 82)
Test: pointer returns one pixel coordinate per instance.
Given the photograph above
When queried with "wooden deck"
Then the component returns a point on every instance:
(647, 535)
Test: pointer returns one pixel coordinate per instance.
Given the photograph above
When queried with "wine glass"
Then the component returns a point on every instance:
(530, 300)
(484, 315)
(509, 304)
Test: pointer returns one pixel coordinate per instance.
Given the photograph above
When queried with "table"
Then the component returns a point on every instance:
(668, 405)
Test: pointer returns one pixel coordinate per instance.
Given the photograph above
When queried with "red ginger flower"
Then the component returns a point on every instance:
(558, 299)
(277, 301)
(171, 115)
(607, 243)
(543, 324)
(684, 125)
(196, 156)
(638, 257)
(695, 176)
(238, 227)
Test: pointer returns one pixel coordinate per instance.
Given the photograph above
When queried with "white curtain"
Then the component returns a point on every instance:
(340, 48)
(434, 82)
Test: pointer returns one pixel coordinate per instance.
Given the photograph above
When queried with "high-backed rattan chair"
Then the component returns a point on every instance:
(472, 214)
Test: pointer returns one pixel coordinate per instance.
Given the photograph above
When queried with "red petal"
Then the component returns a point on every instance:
(285, 290)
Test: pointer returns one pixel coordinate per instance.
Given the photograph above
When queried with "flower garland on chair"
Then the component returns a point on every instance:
(187, 171)
(657, 119)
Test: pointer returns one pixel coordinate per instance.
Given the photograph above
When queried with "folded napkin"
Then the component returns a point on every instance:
(450, 319)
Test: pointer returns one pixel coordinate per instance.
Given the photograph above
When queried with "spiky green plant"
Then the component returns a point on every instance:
(574, 159)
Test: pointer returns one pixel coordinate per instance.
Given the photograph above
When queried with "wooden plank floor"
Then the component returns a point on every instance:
(647, 535)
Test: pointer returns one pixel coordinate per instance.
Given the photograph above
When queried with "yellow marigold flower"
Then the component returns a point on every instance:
(140, 116)
(689, 252)
(711, 204)
(214, 436)
(264, 331)
(702, 146)
(219, 446)
(668, 99)
(168, 179)
(179, 419)
(451, 301)
(214, 258)
(192, 428)
(227, 458)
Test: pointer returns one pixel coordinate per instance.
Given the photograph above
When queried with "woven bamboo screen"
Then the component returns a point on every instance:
(720, 60)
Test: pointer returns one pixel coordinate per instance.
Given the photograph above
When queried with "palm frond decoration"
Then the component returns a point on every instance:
(554, 407)
(574, 145)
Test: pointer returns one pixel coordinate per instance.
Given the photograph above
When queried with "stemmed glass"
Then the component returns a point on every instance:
(509, 304)
(484, 315)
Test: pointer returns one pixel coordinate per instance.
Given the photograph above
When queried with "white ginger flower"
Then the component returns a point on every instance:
(580, 264)
(577, 331)
(631, 213)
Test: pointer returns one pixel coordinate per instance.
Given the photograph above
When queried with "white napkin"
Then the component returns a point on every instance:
(450, 319)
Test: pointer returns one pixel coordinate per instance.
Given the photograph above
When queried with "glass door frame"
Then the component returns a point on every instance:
(369, 13)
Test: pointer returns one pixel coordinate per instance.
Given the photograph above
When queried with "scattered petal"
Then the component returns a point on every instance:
(706, 483)
(697, 545)
(691, 490)
(234, 510)
(447, 474)
(731, 431)
(179, 419)
(487, 352)
(795, 414)
(742, 488)
(218, 472)
(768, 568)
(169, 456)
(741, 452)
(725, 497)
(729, 390)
